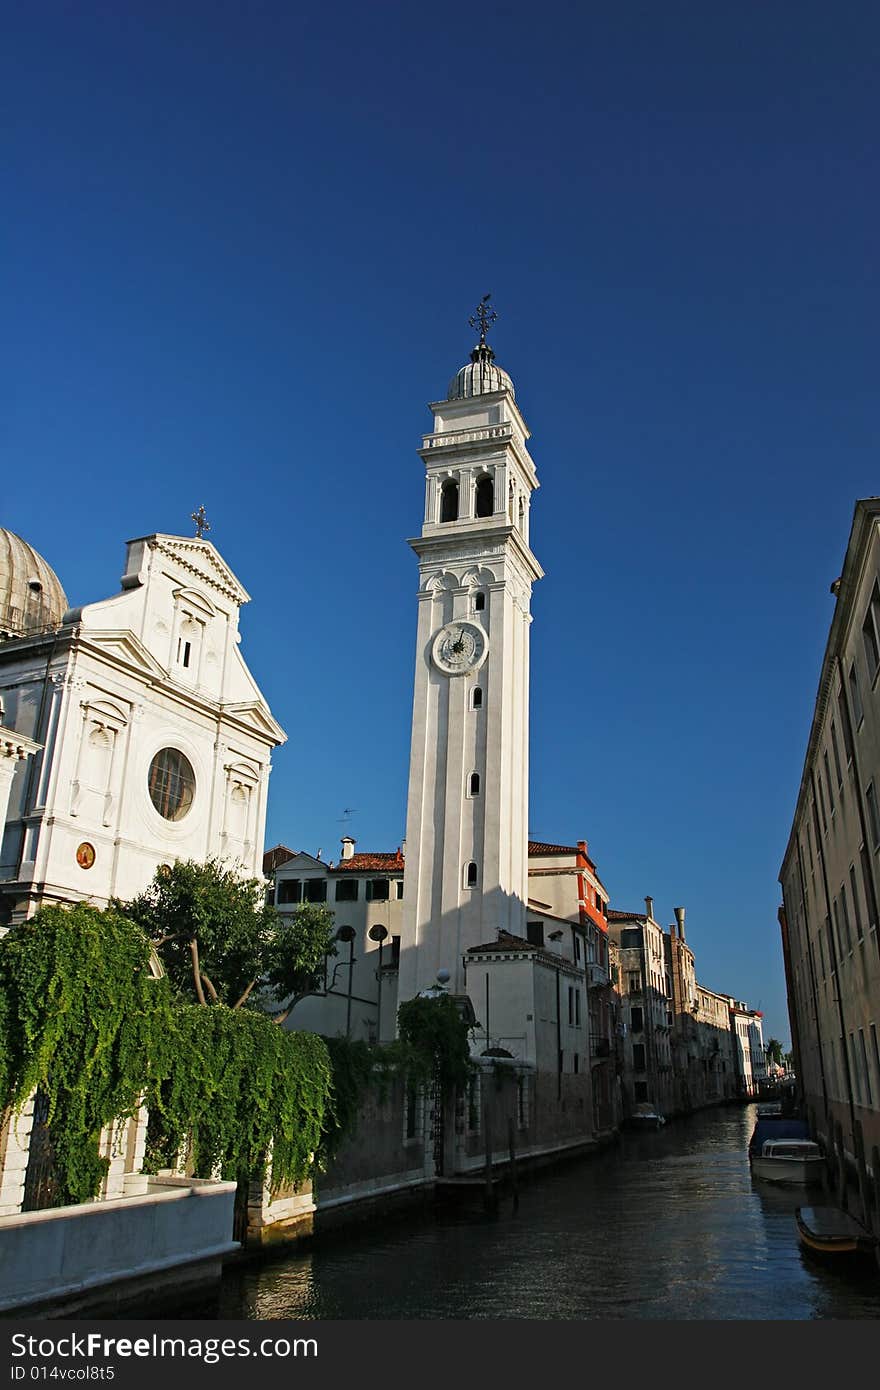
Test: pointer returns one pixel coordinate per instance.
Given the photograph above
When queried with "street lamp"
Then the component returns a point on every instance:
(379, 933)
(348, 934)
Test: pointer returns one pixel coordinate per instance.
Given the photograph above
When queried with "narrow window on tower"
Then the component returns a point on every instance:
(449, 500)
(474, 784)
(479, 602)
(485, 497)
(470, 876)
(477, 697)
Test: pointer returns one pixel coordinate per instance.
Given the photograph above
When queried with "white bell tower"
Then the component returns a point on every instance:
(467, 809)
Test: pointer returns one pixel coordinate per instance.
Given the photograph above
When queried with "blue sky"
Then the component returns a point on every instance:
(240, 247)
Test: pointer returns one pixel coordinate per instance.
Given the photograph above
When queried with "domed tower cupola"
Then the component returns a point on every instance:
(31, 597)
(482, 374)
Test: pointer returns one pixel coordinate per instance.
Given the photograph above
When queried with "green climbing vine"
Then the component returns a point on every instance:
(354, 1065)
(246, 1089)
(436, 1038)
(84, 1020)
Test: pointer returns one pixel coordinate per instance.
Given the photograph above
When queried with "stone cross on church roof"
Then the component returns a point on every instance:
(484, 317)
(201, 520)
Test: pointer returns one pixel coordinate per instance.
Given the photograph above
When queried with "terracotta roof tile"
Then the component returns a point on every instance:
(506, 943)
(537, 848)
(382, 862)
(279, 854)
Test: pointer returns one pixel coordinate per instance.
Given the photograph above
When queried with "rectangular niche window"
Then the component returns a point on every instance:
(346, 890)
(315, 890)
(289, 891)
(377, 890)
(471, 875)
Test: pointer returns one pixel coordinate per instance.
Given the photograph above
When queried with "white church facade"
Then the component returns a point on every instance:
(147, 737)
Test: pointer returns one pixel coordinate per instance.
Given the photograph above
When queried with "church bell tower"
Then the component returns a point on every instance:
(467, 807)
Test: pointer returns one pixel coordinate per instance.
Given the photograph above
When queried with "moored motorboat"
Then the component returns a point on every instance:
(644, 1116)
(789, 1160)
(834, 1233)
(775, 1127)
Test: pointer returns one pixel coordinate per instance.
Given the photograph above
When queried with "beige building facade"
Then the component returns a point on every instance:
(829, 873)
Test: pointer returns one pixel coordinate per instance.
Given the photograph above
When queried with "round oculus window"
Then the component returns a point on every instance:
(172, 784)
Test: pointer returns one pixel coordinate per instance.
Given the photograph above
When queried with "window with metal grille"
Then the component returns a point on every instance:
(171, 783)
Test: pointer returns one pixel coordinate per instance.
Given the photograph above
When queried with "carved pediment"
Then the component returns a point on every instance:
(120, 647)
(195, 600)
(254, 715)
(198, 558)
(242, 771)
(106, 712)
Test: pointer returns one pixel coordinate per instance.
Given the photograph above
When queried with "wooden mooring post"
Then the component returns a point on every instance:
(489, 1197)
(511, 1144)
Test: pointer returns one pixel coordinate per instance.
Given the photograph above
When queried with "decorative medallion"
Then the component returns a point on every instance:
(459, 647)
(85, 855)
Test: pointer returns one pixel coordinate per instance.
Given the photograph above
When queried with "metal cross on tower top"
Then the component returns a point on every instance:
(482, 317)
(202, 523)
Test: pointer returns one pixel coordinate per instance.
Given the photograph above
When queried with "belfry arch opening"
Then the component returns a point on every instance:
(485, 501)
(449, 500)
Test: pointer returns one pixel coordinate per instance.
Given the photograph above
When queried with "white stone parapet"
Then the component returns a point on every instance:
(65, 1251)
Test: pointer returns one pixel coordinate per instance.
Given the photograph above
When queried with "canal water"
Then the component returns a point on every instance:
(668, 1224)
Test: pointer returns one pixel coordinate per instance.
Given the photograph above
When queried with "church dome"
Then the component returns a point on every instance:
(31, 596)
(478, 376)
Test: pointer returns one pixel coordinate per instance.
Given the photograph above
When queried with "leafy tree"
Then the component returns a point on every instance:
(218, 939)
(773, 1050)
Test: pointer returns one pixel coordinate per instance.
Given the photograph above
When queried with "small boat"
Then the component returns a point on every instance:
(832, 1232)
(775, 1127)
(789, 1160)
(644, 1116)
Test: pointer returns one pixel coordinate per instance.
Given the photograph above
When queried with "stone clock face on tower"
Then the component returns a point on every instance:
(459, 647)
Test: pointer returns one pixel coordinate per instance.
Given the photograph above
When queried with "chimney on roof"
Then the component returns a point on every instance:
(318, 855)
(403, 849)
(582, 846)
(348, 845)
(649, 907)
(679, 917)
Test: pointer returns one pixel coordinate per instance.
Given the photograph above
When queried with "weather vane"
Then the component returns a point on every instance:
(202, 523)
(482, 318)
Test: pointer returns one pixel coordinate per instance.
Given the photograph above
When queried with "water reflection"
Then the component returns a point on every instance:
(666, 1225)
